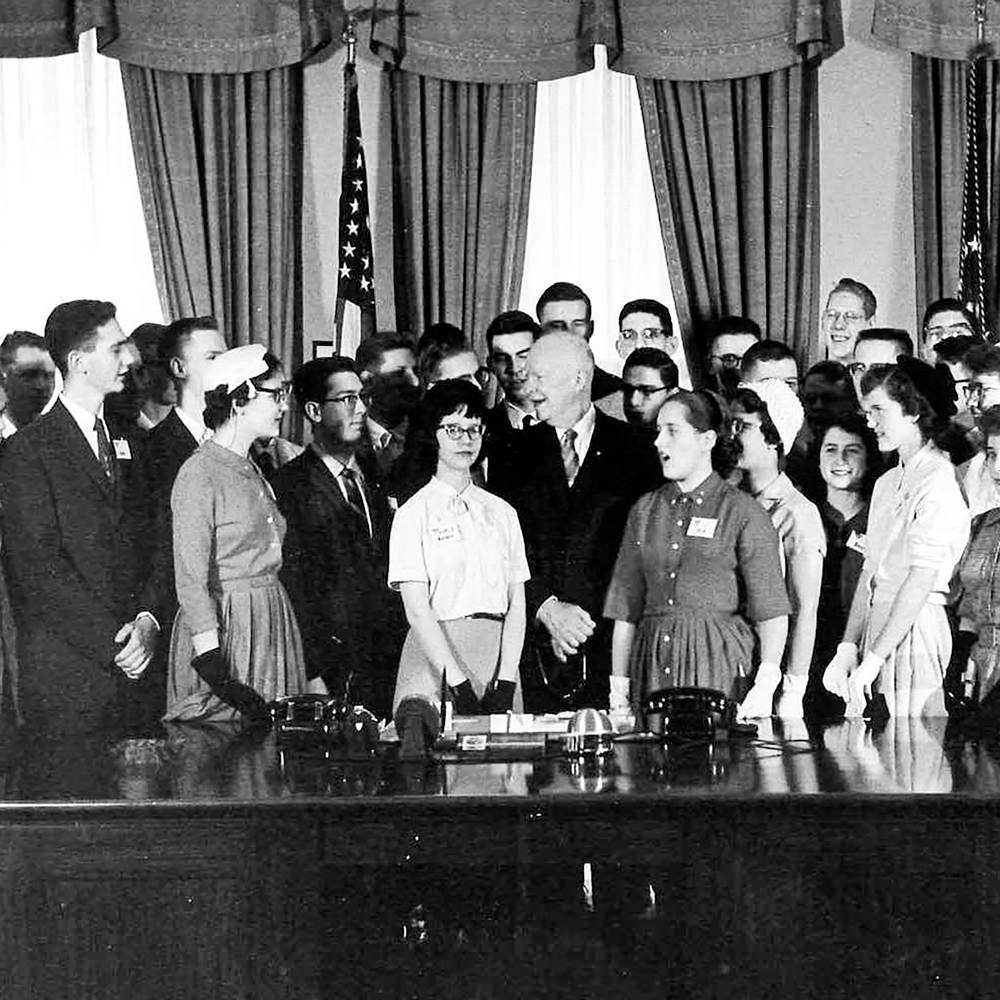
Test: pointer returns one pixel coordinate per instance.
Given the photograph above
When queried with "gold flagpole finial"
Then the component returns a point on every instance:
(350, 38)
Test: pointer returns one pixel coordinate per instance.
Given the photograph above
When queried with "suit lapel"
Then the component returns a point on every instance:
(327, 484)
(79, 452)
(590, 467)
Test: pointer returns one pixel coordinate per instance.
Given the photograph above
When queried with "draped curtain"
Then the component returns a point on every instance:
(735, 168)
(219, 159)
(461, 172)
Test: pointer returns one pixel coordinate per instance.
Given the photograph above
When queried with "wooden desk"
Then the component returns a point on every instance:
(831, 866)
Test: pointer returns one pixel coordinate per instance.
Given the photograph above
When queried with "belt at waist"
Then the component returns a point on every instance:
(490, 616)
(244, 583)
(884, 596)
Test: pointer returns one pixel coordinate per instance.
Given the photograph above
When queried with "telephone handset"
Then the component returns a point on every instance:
(692, 713)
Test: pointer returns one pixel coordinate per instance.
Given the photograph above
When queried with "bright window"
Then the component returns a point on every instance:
(592, 216)
(70, 212)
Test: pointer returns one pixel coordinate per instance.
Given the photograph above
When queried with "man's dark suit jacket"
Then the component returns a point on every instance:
(336, 575)
(69, 542)
(169, 445)
(572, 536)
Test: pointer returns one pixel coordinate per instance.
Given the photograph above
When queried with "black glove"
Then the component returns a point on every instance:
(955, 698)
(212, 668)
(499, 698)
(464, 700)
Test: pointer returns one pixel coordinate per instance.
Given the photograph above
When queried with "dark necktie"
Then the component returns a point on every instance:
(571, 461)
(104, 453)
(352, 488)
(526, 421)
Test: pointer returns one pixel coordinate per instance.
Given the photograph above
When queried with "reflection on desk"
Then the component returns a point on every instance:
(221, 764)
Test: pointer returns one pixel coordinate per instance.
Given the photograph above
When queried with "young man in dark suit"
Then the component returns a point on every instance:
(572, 479)
(66, 488)
(336, 547)
(185, 349)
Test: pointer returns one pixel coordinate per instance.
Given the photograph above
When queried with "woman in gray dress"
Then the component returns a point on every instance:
(235, 644)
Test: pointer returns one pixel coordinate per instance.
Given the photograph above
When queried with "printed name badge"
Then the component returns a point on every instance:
(122, 449)
(856, 542)
(447, 533)
(702, 527)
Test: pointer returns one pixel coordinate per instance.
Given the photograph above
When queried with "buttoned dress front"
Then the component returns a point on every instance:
(695, 572)
(228, 534)
(917, 519)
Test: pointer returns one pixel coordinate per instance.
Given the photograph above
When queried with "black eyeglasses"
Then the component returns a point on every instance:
(279, 395)
(349, 400)
(456, 433)
(727, 360)
(646, 391)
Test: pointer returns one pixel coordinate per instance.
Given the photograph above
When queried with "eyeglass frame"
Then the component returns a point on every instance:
(279, 395)
(349, 400)
(729, 361)
(456, 433)
(831, 316)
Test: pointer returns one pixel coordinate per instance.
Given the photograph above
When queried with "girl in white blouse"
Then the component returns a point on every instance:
(918, 526)
(457, 557)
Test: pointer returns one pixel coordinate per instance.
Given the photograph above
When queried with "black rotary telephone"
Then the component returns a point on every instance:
(692, 713)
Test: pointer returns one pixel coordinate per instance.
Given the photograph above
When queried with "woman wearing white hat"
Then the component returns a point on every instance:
(235, 644)
(767, 417)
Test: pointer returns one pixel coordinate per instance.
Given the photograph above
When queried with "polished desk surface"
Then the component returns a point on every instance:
(219, 767)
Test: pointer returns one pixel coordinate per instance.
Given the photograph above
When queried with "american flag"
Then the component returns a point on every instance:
(355, 316)
(971, 260)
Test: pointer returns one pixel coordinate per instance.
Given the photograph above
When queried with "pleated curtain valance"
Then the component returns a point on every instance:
(940, 29)
(181, 36)
(514, 41)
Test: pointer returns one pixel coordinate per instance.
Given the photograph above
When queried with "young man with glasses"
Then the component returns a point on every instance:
(645, 323)
(336, 548)
(850, 308)
(944, 319)
(877, 346)
(649, 378)
(732, 337)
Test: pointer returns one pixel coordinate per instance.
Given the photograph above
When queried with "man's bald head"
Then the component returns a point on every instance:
(560, 373)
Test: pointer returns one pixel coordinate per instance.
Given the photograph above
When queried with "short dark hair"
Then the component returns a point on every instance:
(952, 350)
(73, 326)
(219, 402)
(855, 423)
(657, 309)
(989, 423)
(949, 304)
(512, 321)
(310, 382)
(735, 326)
(766, 350)
(706, 412)
(861, 290)
(372, 349)
(13, 342)
(832, 371)
(453, 395)
(178, 333)
(439, 342)
(562, 291)
(749, 402)
(146, 337)
(980, 359)
(891, 335)
(900, 387)
(653, 357)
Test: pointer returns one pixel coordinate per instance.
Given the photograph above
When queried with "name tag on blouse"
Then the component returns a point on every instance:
(856, 542)
(447, 533)
(122, 449)
(702, 527)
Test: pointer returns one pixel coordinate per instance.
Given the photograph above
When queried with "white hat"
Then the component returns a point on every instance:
(783, 407)
(234, 367)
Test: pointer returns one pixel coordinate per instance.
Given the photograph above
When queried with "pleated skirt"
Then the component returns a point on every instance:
(258, 637)
(912, 677)
(474, 642)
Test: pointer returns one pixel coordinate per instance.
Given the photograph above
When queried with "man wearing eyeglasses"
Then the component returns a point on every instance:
(645, 323)
(880, 345)
(336, 555)
(944, 319)
(850, 308)
(649, 378)
(732, 337)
